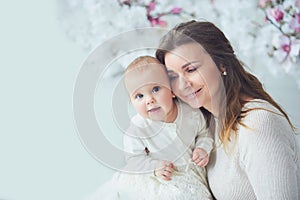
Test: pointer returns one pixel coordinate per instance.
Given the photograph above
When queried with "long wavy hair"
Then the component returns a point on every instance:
(238, 83)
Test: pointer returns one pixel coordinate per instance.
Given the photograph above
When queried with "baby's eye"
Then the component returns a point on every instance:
(155, 89)
(139, 96)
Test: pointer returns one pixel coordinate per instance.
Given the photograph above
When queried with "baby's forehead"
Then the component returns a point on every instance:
(151, 77)
(149, 86)
(146, 67)
(152, 71)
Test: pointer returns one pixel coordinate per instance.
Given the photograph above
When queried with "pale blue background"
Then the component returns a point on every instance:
(41, 157)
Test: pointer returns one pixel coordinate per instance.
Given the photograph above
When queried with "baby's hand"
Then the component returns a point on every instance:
(200, 157)
(164, 170)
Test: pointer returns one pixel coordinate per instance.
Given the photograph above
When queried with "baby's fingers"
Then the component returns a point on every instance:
(203, 162)
(195, 156)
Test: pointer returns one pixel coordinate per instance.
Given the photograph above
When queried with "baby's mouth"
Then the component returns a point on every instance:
(153, 109)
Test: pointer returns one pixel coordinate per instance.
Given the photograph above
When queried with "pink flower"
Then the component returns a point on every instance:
(284, 49)
(176, 10)
(156, 21)
(285, 44)
(162, 23)
(263, 3)
(297, 3)
(277, 14)
(295, 23)
(151, 6)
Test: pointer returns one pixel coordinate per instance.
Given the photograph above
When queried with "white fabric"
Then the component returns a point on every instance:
(173, 142)
(184, 185)
(165, 141)
(264, 163)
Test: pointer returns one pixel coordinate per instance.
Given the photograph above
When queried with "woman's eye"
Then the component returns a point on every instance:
(139, 96)
(155, 89)
(191, 69)
(172, 77)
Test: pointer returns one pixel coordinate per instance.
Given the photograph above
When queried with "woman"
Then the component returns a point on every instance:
(256, 155)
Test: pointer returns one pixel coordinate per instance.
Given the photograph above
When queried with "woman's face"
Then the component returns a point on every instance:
(194, 76)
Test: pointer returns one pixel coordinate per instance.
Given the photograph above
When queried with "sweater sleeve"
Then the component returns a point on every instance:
(138, 159)
(204, 139)
(268, 155)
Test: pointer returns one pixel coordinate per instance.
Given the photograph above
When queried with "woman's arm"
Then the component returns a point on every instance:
(268, 155)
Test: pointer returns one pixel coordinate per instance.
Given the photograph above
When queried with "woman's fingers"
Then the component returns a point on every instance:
(166, 175)
(168, 168)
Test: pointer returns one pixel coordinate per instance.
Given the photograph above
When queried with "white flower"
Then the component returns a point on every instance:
(91, 22)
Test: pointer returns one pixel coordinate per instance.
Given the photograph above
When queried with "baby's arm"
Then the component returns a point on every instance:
(200, 157)
(137, 155)
(139, 160)
(203, 144)
(204, 139)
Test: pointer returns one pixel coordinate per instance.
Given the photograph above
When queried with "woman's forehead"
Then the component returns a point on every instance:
(185, 55)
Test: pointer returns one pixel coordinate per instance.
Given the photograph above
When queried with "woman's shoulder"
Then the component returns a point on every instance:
(262, 108)
(261, 114)
(264, 127)
(260, 104)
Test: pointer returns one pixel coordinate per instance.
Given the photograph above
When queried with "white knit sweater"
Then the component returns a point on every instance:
(264, 163)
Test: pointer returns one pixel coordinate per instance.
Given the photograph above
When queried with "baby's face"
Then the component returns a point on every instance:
(150, 93)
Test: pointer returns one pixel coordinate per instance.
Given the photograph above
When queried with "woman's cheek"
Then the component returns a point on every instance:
(174, 87)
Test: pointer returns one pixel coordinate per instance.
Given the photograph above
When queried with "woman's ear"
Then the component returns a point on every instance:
(173, 95)
(222, 69)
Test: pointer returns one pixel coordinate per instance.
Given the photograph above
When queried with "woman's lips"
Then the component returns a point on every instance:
(194, 94)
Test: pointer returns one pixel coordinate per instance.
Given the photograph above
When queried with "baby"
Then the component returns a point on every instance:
(167, 144)
(165, 135)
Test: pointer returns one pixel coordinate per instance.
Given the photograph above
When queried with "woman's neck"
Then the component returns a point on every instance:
(217, 104)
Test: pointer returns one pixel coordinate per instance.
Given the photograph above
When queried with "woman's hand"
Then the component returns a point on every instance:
(164, 170)
(200, 157)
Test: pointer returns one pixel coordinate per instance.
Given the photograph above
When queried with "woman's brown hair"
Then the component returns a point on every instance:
(238, 83)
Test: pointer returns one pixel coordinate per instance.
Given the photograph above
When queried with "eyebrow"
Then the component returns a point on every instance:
(185, 65)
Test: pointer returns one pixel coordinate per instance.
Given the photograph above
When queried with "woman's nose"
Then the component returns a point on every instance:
(184, 83)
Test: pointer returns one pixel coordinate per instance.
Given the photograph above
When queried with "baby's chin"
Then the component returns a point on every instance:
(161, 119)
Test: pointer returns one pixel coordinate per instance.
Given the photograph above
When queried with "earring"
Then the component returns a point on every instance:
(173, 96)
(224, 73)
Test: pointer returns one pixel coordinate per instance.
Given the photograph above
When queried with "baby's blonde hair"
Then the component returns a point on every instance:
(141, 62)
